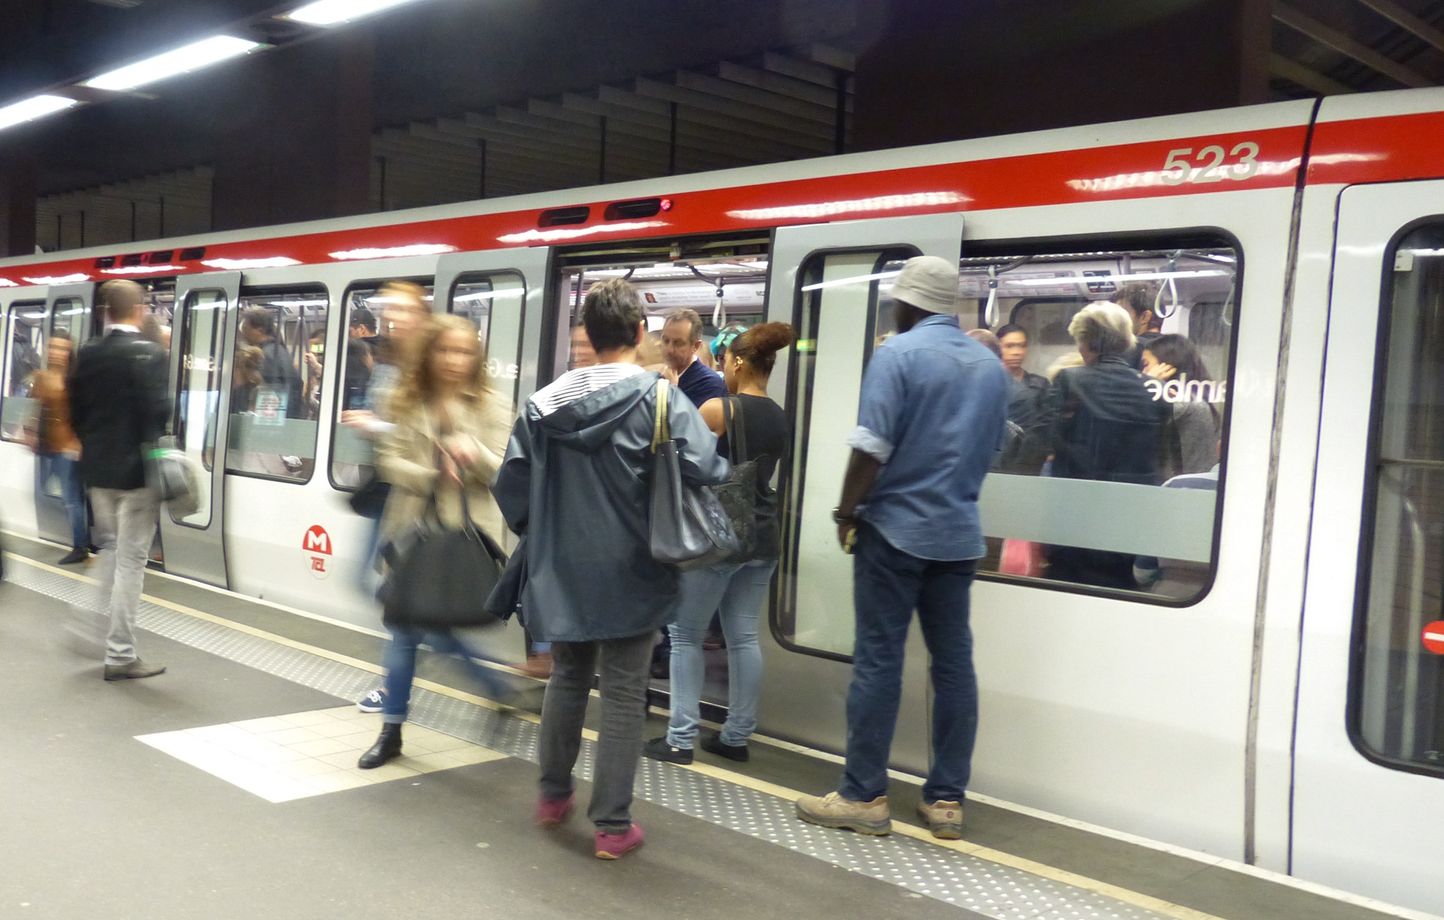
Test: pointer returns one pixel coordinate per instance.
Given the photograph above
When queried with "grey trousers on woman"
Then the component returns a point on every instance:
(623, 665)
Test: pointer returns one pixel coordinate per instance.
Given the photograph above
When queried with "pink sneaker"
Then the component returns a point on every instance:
(551, 812)
(615, 846)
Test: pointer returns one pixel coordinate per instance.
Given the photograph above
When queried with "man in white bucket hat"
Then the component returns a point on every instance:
(930, 421)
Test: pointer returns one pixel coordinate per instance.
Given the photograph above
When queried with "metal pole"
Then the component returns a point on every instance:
(602, 151)
(481, 183)
(672, 140)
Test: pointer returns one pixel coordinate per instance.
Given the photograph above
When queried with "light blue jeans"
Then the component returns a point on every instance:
(737, 592)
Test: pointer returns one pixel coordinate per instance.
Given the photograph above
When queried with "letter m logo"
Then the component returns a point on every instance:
(317, 540)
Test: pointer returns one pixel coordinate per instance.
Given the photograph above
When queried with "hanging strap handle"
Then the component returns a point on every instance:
(661, 430)
(990, 317)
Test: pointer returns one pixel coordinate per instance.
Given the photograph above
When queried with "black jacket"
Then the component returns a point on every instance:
(119, 401)
(1105, 424)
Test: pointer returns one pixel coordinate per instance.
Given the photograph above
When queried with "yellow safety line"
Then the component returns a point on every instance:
(1032, 867)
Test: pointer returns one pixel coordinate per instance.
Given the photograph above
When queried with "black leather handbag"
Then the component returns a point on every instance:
(689, 527)
(439, 578)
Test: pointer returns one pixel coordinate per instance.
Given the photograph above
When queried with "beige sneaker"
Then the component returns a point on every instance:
(832, 810)
(944, 819)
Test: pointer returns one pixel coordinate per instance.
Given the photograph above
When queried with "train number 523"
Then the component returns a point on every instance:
(1210, 164)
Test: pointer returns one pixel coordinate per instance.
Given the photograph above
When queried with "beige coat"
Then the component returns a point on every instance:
(406, 458)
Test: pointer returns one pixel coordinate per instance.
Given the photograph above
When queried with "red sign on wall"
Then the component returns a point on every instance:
(1433, 637)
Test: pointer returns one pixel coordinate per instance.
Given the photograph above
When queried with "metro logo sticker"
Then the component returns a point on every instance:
(317, 546)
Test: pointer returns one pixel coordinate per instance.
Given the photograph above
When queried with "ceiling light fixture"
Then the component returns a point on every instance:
(17, 113)
(173, 63)
(335, 12)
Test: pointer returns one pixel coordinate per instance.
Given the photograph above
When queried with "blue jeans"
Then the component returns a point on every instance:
(888, 585)
(737, 592)
(67, 471)
(400, 663)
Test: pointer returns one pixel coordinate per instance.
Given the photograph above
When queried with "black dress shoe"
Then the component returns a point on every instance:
(74, 557)
(387, 747)
(713, 744)
(659, 749)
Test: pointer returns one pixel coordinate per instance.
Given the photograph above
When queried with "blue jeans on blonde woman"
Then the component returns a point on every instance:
(738, 593)
(399, 660)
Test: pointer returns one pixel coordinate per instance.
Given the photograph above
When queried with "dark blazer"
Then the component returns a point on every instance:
(119, 401)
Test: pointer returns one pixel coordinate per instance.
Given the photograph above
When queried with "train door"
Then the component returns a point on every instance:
(823, 280)
(499, 291)
(1369, 749)
(203, 339)
(23, 328)
(67, 317)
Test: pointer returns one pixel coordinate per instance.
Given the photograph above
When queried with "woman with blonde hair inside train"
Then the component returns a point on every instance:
(450, 434)
(735, 590)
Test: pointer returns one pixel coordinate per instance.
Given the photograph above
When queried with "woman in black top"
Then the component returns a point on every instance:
(735, 590)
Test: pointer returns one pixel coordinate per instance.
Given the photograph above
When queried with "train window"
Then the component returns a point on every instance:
(69, 316)
(25, 356)
(197, 407)
(480, 297)
(1110, 477)
(1397, 690)
(376, 322)
(276, 374)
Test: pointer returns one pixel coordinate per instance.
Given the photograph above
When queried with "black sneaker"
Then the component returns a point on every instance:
(374, 701)
(74, 557)
(713, 744)
(659, 749)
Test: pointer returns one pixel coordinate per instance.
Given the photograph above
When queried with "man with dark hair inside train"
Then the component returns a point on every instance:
(1027, 403)
(1137, 298)
(681, 340)
(119, 402)
(258, 328)
(931, 420)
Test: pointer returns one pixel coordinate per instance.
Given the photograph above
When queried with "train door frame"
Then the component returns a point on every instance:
(1340, 789)
(791, 673)
(17, 460)
(196, 549)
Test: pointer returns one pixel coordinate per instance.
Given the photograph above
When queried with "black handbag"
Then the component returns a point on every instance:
(689, 527)
(739, 494)
(369, 500)
(439, 578)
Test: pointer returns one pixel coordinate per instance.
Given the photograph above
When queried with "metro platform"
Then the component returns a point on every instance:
(227, 788)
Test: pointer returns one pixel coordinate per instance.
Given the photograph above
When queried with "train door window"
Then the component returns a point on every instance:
(838, 324)
(197, 409)
(276, 375)
(377, 319)
(1123, 494)
(1397, 690)
(68, 319)
(25, 354)
(477, 297)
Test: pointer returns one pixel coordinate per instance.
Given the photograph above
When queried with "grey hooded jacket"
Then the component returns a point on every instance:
(576, 482)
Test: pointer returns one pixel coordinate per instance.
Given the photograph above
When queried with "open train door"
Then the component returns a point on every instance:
(202, 345)
(823, 279)
(67, 311)
(1369, 749)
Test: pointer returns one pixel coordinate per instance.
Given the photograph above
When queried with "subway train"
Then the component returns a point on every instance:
(1269, 695)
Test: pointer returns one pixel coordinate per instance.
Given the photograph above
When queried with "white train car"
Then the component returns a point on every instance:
(1273, 697)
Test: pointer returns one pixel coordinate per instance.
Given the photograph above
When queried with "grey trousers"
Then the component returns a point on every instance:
(623, 665)
(125, 521)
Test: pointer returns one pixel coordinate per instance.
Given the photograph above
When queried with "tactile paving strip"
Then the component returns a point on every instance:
(968, 882)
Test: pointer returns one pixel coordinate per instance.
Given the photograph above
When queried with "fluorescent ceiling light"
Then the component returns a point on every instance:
(58, 279)
(182, 60)
(392, 252)
(30, 109)
(243, 264)
(334, 12)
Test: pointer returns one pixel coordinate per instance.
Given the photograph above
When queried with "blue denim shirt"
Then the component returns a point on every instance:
(933, 406)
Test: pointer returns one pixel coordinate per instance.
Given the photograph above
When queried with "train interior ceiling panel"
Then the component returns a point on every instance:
(1248, 684)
